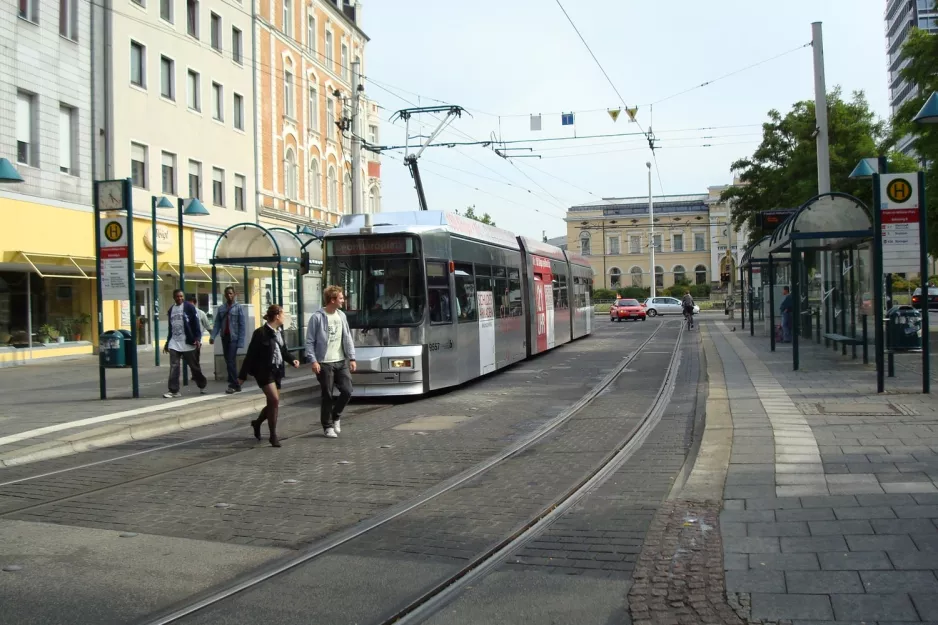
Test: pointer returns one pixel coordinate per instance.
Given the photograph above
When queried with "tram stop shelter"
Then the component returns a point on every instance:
(836, 229)
(754, 268)
(256, 248)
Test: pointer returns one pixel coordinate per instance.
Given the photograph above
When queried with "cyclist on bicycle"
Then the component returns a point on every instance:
(688, 303)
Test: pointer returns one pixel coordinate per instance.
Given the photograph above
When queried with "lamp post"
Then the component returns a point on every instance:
(8, 173)
(155, 203)
(190, 208)
(651, 236)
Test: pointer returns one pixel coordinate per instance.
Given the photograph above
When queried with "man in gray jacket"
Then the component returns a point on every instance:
(230, 323)
(330, 348)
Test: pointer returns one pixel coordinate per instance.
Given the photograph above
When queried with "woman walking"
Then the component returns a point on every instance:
(265, 361)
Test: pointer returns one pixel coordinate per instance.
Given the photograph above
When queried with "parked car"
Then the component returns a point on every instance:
(932, 298)
(655, 306)
(628, 309)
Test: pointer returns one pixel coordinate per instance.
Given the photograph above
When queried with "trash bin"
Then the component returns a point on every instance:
(112, 349)
(129, 351)
(903, 328)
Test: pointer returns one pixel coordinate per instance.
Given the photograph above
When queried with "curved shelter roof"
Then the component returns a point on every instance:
(253, 244)
(758, 253)
(825, 222)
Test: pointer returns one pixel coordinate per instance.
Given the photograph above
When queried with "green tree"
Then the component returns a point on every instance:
(921, 51)
(782, 172)
(470, 213)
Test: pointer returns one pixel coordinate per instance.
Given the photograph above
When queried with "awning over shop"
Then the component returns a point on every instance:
(201, 273)
(72, 267)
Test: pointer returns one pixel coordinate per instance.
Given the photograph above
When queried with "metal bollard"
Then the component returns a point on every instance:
(866, 347)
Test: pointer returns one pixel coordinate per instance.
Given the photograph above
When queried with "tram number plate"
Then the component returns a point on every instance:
(435, 347)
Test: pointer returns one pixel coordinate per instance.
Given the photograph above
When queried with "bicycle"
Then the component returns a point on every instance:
(689, 316)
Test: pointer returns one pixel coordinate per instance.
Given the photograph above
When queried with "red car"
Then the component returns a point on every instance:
(629, 309)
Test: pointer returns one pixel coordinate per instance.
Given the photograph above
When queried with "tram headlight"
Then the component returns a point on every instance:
(401, 363)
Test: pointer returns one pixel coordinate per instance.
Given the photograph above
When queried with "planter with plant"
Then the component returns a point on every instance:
(81, 321)
(47, 333)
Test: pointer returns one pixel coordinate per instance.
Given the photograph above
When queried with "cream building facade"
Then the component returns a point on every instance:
(691, 236)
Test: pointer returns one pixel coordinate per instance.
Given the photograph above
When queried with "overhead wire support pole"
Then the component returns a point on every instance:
(410, 160)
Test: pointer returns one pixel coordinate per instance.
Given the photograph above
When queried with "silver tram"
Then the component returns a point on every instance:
(434, 299)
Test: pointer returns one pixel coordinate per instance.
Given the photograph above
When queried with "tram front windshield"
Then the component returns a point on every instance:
(382, 279)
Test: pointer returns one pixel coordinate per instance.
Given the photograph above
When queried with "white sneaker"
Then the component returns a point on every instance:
(171, 395)
(337, 427)
(330, 433)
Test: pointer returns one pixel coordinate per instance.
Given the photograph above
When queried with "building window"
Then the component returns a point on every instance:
(636, 273)
(239, 111)
(192, 18)
(311, 32)
(657, 242)
(635, 245)
(218, 186)
(195, 179)
(169, 173)
(615, 277)
(614, 245)
(585, 243)
(67, 136)
(659, 276)
(680, 274)
(29, 10)
(333, 190)
(700, 242)
(343, 59)
(26, 151)
(239, 192)
(237, 46)
(315, 184)
(329, 52)
(373, 200)
(373, 134)
(68, 19)
(700, 273)
(194, 101)
(313, 109)
(218, 102)
(216, 32)
(138, 64)
(139, 3)
(138, 165)
(204, 246)
(287, 94)
(166, 10)
(330, 117)
(289, 175)
(288, 18)
(677, 243)
(167, 78)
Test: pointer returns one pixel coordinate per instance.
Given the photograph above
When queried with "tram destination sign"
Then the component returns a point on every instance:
(900, 213)
(369, 245)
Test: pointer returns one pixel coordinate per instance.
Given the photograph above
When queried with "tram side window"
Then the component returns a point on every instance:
(466, 304)
(515, 308)
(564, 303)
(501, 292)
(440, 306)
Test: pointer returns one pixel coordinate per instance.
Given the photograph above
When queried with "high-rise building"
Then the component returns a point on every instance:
(901, 17)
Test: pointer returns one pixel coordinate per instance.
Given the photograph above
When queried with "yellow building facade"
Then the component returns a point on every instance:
(48, 279)
(691, 236)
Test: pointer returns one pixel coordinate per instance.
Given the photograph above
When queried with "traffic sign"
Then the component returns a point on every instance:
(900, 213)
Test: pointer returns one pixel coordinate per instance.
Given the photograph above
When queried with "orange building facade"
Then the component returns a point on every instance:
(304, 51)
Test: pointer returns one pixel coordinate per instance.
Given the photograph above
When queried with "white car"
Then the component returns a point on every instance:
(655, 306)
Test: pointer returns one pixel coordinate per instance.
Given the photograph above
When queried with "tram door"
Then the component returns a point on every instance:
(543, 304)
(444, 310)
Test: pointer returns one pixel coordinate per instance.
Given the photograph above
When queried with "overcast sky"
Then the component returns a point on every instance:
(506, 59)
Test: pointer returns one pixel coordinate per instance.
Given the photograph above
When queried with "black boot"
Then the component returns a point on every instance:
(256, 424)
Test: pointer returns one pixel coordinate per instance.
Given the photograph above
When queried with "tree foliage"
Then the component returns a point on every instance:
(921, 51)
(470, 213)
(782, 172)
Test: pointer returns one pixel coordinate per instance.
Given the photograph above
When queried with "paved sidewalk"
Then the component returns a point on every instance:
(830, 500)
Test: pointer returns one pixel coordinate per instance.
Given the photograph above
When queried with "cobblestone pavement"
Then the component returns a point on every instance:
(373, 465)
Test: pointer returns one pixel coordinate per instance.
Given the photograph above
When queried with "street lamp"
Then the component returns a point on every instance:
(190, 208)
(651, 236)
(929, 112)
(155, 203)
(864, 170)
(8, 173)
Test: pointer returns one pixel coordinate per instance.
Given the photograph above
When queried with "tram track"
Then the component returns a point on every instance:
(445, 590)
(223, 455)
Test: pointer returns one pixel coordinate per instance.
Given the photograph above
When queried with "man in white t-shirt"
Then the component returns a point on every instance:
(330, 348)
(183, 343)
